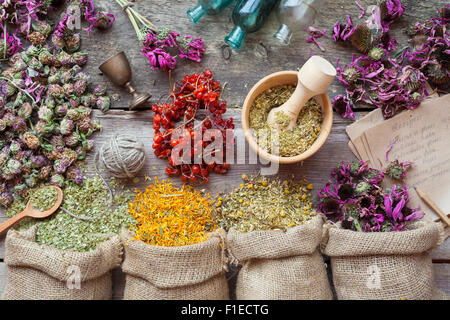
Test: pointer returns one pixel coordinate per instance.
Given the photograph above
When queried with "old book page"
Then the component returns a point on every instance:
(422, 136)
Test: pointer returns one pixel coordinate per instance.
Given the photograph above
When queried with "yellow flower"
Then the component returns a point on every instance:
(244, 177)
(292, 224)
(264, 183)
(310, 186)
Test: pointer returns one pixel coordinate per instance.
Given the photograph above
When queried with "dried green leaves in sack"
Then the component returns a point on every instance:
(279, 265)
(41, 272)
(191, 272)
(384, 265)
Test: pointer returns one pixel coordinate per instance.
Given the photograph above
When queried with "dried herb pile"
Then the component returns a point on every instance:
(357, 199)
(89, 200)
(288, 142)
(262, 204)
(385, 75)
(44, 198)
(45, 101)
(169, 216)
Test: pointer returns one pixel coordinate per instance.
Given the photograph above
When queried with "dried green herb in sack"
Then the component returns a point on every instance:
(44, 198)
(262, 204)
(89, 201)
(290, 142)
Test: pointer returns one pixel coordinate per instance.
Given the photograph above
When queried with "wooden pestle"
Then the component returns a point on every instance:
(314, 78)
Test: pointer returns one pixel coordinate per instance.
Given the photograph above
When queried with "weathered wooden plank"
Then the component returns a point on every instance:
(442, 276)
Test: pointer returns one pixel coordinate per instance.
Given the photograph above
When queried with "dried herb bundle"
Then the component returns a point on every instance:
(285, 143)
(261, 204)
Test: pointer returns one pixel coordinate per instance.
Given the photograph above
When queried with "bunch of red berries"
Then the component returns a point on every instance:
(194, 93)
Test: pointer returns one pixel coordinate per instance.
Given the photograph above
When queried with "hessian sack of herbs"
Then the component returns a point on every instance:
(384, 265)
(190, 272)
(38, 271)
(281, 265)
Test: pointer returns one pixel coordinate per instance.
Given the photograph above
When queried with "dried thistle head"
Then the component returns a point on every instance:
(437, 74)
(376, 53)
(351, 74)
(362, 38)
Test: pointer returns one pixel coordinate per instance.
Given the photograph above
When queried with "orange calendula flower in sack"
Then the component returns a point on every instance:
(169, 216)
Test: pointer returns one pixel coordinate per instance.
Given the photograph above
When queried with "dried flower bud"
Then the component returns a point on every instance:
(82, 76)
(65, 59)
(12, 168)
(2, 125)
(6, 199)
(74, 173)
(73, 114)
(7, 89)
(58, 42)
(74, 102)
(73, 42)
(100, 90)
(72, 139)
(88, 145)
(25, 110)
(14, 147)
(80, 87)
(104, 103)
(19, 125)
(45, 114)
(38, 161)
(57, 141)
(31, 140)
(362, 38)
(43, 27)
(44, 172)
(81, 58)
(57, 180)
(36, 38)
(55, 90)
(31, 181)
(60, 166)
(54, 78)
(69, 89)
(66, 126)
(21, 190)
(62, 110)
(376, 53)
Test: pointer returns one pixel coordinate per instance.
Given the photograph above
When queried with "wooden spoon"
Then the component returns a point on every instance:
(33, 213)
(314, 78)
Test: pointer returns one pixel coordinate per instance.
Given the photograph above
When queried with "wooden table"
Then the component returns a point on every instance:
(261, 55)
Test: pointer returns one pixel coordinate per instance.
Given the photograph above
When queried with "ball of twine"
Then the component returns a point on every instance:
(123, 156)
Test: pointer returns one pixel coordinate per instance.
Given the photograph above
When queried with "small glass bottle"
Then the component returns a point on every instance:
(248, 16)
(295, 15)
(207, 7)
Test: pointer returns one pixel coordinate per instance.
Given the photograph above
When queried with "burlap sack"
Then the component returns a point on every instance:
(281, 265)
(40, 272)
(384, 265)
(193, 272)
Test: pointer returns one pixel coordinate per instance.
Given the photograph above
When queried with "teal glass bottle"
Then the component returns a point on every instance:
(207, 7)
(248, 16)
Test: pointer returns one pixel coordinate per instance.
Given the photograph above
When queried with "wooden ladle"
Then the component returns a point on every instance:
(314, 78)
(30, 212)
